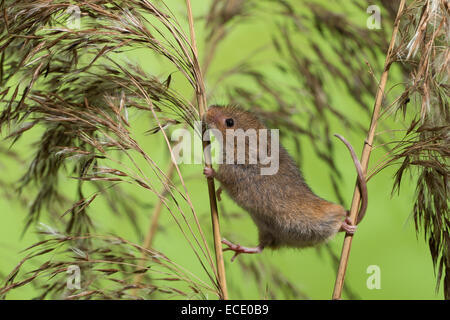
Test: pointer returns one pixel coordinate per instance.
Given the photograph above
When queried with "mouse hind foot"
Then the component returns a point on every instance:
(238, 249)
(348, 227)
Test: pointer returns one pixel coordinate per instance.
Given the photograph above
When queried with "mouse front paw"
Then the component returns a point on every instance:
(209, 172)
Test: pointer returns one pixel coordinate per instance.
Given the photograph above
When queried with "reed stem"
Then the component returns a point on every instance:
(201, 99)
(365, 156)
(148, 240)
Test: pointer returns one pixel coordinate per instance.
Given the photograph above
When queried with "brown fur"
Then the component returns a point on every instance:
(283, 207)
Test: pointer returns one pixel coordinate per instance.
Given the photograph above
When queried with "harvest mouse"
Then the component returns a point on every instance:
(284, 208)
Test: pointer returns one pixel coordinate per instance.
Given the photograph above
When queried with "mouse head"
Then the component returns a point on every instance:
(231, 117)
(243, 137)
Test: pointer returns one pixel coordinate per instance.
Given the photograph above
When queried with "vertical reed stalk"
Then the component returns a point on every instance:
(366, 155)
(201, 99)
(151, 232)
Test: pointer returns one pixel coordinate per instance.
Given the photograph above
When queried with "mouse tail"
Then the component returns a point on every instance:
(361, 180)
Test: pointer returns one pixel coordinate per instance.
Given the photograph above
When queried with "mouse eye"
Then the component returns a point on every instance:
(229, 122)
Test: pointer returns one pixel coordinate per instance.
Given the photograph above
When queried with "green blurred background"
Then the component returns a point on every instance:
(386, 238)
